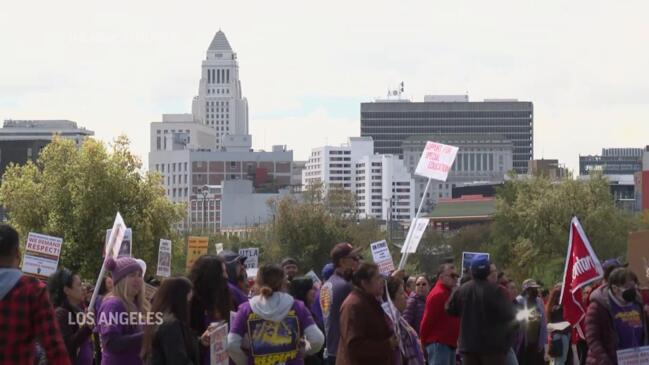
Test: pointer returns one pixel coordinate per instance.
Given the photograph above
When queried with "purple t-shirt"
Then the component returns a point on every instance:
(273, 342)
(237, 295)
(85, 353)
(628, 324)
(109, 326)
(332, 295)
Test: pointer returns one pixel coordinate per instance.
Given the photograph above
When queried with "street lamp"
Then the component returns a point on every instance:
(204, 192)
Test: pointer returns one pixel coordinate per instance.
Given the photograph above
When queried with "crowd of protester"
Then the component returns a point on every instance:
(353, 314)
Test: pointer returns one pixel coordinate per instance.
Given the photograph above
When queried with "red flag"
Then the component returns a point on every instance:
(582, 268)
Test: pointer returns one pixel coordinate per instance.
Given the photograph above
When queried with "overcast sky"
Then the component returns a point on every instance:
(114, 67)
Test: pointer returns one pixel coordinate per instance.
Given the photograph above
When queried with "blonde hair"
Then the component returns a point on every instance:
(139, 304)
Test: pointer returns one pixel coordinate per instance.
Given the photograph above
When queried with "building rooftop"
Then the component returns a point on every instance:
(220, 42)
(468, 206)
(42, 127)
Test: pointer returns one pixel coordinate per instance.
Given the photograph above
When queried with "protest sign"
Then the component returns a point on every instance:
(219, 343)
(252, 273)
(416, 231)
(115, 237)
(392, 312)
(196, 247)
(112, 249)
(382, 257)
(252, 257)
(125, 248)
(638, 255)
(436, 161)
(467, 257)
(219, 247)
(149, 291)
(42, 253)
(633, 356)
(164, 258)
(314, 277)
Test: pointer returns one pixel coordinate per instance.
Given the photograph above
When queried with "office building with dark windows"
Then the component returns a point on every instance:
(391, 122)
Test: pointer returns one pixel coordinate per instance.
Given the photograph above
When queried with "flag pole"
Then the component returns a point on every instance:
(404, 256)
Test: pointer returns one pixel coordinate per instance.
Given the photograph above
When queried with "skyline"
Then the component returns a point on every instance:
(307, 69)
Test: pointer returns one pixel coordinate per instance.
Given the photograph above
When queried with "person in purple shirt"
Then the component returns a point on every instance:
(334, 292)
(327, 271)
(277, 326)
(121, 338)
(236, 270)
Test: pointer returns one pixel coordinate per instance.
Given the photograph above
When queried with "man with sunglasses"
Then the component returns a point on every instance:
(334, 292)
(439, 331)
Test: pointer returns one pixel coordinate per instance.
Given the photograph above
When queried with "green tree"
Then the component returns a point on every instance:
(74, 192)
(532, 220)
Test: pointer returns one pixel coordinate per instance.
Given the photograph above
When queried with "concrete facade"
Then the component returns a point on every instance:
(390, 123)
(220, 104)
(481, 158)
(382, 185)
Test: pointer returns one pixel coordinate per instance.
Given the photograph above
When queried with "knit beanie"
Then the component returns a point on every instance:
(121, 267)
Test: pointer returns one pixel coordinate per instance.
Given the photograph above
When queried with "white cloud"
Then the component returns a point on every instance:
(116, 68)
(314, 130)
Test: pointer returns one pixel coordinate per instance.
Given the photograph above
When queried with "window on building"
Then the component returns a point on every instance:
(158, 143)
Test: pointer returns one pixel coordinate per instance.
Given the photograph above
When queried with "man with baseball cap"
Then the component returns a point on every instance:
(234, 265)
(289, 265)
(534, 324)
(334, 292)
(486, 316)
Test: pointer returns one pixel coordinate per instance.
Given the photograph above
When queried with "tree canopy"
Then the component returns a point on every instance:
(74, 193)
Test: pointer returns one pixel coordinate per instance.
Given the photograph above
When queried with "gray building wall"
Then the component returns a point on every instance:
(481, 158)
(241, 207)
(391, 123)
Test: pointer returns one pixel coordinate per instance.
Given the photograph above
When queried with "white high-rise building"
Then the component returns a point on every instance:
(220, 104)
(383, 187)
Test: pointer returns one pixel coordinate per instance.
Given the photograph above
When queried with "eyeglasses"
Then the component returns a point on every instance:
(421, 284)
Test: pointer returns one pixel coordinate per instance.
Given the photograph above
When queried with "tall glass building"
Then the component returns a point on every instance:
(391, 122)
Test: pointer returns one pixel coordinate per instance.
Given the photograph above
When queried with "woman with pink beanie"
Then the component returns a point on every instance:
(122, 313)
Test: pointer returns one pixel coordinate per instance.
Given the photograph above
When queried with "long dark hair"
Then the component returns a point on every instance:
(103, 290)
(58, 281)
(553, 301)
(300, 287)
(211, 293)
(171, 299)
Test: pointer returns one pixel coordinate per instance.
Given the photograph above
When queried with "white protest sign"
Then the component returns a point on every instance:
(382, 257)
(42, 254)
(314, 277)
(468, 257)
(415, 233)
(391, 311)
(219, 247)
(252, 257)
(164, 259)
(436, 161)
(126, 247)
(219, 343)
(112, 249)
(633, 356)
